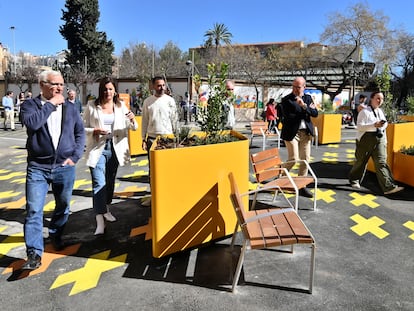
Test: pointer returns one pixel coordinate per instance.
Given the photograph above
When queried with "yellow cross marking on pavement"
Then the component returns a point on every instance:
(8, 194)
(140, 163)
(2, 171)
(350, 156)
(88, 277)
(371, 225)
(136, 174)
(19, 180)
(329, 160)
(82, 182)
(12, 175)
(19, 162)
(50, 206)
(129, 191)
(333, 146)
(145, 229)
(360, 199)
(14, 204)
(410, 225)
(326, 196)
(48, 257)
(330, 154)
(12, 241)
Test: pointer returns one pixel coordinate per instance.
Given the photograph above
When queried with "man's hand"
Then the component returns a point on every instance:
(57, 99)
(68, 161)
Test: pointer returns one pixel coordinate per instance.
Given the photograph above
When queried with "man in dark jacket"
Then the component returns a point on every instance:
(55, 142)
(297, 131)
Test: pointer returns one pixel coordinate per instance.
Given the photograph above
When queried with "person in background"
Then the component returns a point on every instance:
(271, 116)
(72, 99)
(107, 121)
(19, 100)
(8, 107)
(159, 117)
(372, 143)
(361, 105)
(297, 130)
(55, 143)
(229, 105)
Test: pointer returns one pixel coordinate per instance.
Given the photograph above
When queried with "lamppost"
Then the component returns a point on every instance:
(12, 28)
(190, 69)
(354, 71)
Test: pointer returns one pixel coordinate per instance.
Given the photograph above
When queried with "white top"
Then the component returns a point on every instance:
(159, 116)
(54, 123)
(366, 120)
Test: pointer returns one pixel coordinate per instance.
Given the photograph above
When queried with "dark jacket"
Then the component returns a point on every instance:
(41, 152)
(293, 114)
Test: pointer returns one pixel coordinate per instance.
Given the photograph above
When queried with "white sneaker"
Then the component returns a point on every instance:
(146, 202)
(394, 190)
(355, 184)
(109, 217)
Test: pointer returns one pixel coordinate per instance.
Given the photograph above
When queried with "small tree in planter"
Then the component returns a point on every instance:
(407, 150)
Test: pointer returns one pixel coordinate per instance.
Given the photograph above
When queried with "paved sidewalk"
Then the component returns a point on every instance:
(364, 256)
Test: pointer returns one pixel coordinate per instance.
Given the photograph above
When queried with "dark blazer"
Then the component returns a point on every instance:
(41, 152)
(293, 114)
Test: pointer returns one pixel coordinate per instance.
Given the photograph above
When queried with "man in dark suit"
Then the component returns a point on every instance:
(297, 131)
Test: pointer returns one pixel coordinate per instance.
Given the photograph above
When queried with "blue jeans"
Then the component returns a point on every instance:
(103, 179)
(37, 185)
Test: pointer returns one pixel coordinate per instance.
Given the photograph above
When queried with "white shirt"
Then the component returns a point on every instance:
(54, 123)
(159, 116)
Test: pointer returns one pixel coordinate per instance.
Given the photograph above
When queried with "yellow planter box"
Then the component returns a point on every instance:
(398, 134)
(135, 139)
(409, 118)
(191, 193)
(403, 168)
(329, 128)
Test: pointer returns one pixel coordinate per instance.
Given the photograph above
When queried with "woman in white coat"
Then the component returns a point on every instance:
(107, 121)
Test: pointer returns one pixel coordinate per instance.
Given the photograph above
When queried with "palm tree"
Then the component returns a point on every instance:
(218, 34)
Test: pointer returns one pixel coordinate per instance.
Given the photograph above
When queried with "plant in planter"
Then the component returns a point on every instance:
(407, 150)
(211, 117)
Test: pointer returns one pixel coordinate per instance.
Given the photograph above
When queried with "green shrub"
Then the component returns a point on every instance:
(407, 150)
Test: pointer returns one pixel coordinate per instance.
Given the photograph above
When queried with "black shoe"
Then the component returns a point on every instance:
(305, 193)
(56, 241)
(33, 262)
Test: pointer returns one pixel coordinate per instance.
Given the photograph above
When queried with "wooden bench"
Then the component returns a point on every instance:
(268, 228)
(259, 128)
(269, 171)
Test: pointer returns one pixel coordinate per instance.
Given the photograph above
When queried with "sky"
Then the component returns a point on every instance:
(184, 22)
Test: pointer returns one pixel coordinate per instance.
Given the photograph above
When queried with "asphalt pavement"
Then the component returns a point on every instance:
(364, 256)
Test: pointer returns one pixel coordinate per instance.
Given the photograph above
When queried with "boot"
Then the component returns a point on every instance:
(100, 224)
(108, 215)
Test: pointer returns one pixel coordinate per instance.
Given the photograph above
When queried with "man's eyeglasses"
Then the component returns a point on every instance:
(54, 83)
(230, 89)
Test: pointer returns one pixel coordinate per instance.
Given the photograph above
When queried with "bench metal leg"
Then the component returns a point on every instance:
(239, 266)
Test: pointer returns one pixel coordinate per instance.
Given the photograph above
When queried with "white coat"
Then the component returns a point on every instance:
(93, 118)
